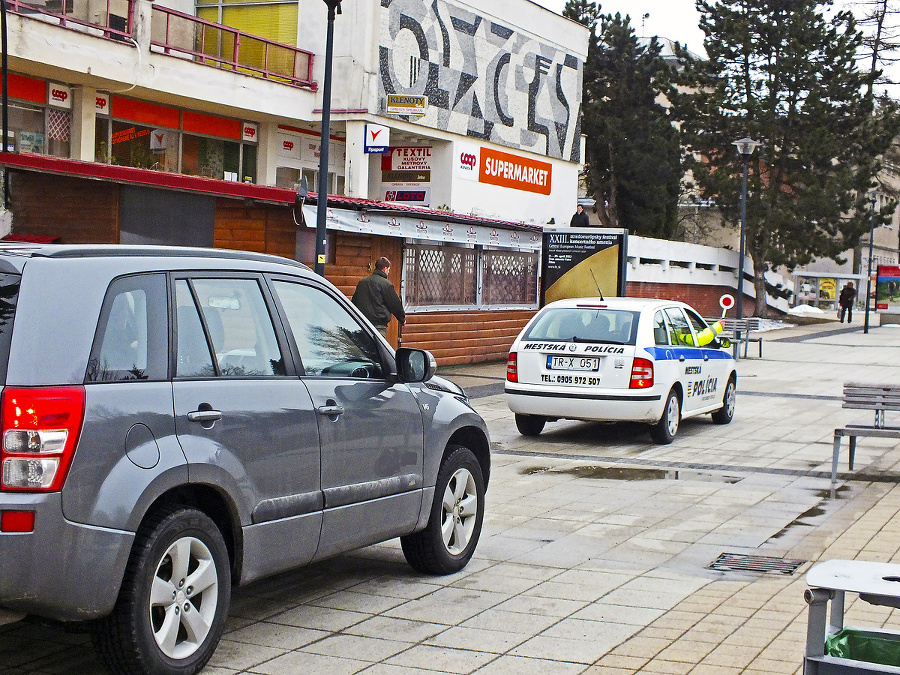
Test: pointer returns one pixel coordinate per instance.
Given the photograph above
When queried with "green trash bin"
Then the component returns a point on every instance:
(864, 645)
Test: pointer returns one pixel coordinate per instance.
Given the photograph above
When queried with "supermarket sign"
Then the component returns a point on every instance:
(504, 169)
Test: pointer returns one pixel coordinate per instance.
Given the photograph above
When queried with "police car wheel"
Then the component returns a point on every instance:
(663, 432)
(530, 425)
(725, 414)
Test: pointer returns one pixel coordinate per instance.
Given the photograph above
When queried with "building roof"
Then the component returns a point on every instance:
(263, 193)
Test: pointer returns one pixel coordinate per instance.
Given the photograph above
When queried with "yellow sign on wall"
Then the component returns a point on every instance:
(827, 289)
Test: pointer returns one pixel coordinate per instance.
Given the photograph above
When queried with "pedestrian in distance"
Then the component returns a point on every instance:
(892, 290)
(580, 218)
(377, 299)
(846, 300)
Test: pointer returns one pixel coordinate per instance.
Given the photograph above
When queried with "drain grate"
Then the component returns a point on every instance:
(738, 562)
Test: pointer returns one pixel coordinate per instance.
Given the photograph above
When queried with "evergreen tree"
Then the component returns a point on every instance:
(782, 74)
(632, 153)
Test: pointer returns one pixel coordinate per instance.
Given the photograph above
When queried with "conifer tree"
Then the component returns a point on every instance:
(632, 154)
(780, 73)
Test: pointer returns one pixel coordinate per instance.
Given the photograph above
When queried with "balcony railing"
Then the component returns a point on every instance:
(220, 46)
(104, 18)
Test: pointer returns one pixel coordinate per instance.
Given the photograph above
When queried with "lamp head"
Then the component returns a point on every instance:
(302, 191)
(746, 146)
(334, 5)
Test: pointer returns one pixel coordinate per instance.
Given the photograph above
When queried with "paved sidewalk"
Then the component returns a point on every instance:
(595, 553)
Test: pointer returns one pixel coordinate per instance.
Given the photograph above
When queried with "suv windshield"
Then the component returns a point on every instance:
(9, 293)
(585, 324)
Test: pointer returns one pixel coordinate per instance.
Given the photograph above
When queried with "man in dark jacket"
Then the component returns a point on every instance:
(580, 218)
(377, 299)
(846, 300)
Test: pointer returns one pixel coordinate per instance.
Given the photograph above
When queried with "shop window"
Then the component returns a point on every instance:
(440, 275)
(509, 277)
(27, 125)
(248, 168)
(102, 151)
(59, 132)
(144, 147)
(210, 157)
(287, 177)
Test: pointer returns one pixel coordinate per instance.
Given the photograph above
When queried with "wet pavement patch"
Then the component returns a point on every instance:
(634, 474)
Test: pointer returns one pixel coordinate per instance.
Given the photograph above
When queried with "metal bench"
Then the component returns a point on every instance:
(732, 328)
(879, 398)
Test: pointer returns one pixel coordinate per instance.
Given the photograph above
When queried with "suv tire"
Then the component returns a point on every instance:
(457, 512)
(174, 599)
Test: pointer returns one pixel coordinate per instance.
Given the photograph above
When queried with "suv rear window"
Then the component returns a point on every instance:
(9, 294)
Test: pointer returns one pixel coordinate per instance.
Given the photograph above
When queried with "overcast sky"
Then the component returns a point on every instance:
(673, 19)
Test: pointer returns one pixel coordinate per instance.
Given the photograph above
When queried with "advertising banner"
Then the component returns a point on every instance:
(827, 289)
(514, 171)
(887, 288)
(378, 138)
(583, 262)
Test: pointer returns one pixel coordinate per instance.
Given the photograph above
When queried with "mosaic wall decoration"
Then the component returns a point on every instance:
(483, 79)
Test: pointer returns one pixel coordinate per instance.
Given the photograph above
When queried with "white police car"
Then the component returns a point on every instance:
(619, 359)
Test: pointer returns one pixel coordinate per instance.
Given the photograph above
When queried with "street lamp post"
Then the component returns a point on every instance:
(334, 6)
(869, 276)
(745, 148)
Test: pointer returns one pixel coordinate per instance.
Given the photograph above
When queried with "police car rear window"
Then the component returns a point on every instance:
(585, 324)
(9, 294)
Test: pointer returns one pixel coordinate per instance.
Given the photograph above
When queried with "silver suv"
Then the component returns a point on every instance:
(177, 421)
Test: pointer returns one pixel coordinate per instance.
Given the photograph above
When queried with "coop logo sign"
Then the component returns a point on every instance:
(60, 96)
(101, 104)
(249, 130)
(467, 159)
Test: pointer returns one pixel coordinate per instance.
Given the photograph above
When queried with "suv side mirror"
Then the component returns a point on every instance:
(414, 365)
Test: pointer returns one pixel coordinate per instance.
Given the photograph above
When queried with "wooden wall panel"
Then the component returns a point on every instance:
(465, 337)
(77, 210)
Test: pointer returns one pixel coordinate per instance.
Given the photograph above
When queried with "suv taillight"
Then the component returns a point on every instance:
(512, 369)
(40, 428)
(641, 374)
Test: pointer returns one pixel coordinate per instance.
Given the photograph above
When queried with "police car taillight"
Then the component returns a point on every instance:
(512, 369)
(40, 428)
(641, 374)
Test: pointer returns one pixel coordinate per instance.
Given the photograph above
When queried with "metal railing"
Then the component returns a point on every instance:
(213, 44)
(106, 18)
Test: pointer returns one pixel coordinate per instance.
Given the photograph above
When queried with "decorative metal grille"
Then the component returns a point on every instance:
(441, 275)
(738, 562)
(58, 126)
(509, 277)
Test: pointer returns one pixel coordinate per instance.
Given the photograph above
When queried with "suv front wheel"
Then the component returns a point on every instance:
(174, 599)
(448, 541)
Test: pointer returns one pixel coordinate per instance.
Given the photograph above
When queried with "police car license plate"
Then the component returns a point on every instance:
(581, 363)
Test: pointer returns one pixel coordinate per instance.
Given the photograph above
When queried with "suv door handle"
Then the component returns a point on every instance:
(204, 416)
(331, 410)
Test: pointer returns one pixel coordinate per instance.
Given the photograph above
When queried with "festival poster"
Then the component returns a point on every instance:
(583, 262)
(887, 288)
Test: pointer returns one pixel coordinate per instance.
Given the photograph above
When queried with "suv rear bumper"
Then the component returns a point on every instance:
(77, 580)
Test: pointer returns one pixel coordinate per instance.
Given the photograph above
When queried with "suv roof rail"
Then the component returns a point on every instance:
(118, 250)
